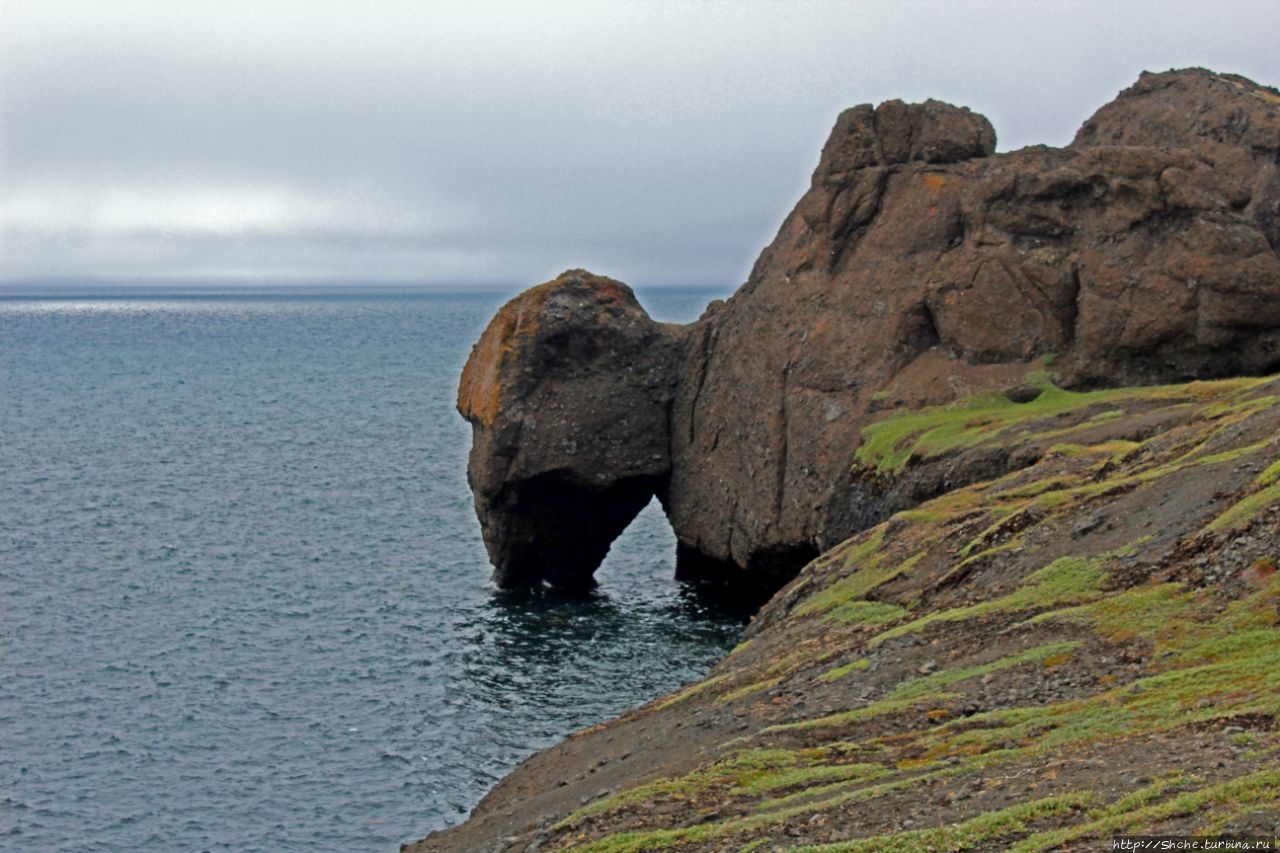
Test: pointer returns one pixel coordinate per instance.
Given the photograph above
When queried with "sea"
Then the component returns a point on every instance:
(244, 602)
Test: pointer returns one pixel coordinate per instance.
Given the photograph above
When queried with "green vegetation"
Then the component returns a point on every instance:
(1149, 613)
(808, 777)
(743, 768)
(692, 690)
(1067, 580)
(748, 689)
(1136, 812)
(930, 685)
(967, 835)
(1047, 676)
(888, 444)
(870, 572)
(1246, 510)
(863, 612)
(884, 707)
(841, 671)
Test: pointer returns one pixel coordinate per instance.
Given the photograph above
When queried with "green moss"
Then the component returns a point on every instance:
(888, 444)
(856, 715)
(967, 835)
(870, 574)
(933, 683)
(806, 655)
(863, 612)
(1218, 673)
(808, 777)
(691, 691)
(1145, 612)
(749, 689)
(866, 547)
(770, 813)
(1237, 409)
(1244, 511)
(1246, 681)
(1067, 580)
(1039, 487)
(737, 770)
(1132, 815)
(841, 671)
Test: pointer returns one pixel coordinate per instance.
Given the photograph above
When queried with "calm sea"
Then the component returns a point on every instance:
(245, 602)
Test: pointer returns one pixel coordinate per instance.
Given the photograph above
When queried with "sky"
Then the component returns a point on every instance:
(379, 141)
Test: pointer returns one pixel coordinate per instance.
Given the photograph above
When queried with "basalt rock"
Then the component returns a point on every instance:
(568, 392)
(919, 267)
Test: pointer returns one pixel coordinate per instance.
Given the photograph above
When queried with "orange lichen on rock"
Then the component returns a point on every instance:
(479, 392)
(567, 391)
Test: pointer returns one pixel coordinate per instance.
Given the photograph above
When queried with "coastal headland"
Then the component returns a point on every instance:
(998, 434)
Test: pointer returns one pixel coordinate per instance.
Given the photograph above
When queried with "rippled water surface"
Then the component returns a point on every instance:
(245, 602)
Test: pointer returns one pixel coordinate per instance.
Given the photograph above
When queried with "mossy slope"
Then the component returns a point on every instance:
(1084, 645)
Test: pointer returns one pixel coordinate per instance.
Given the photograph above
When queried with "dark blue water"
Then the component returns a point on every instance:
(245, 602)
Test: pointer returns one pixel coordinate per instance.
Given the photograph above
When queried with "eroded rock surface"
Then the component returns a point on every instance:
(568, 392)
(908, 280)
(919, 267)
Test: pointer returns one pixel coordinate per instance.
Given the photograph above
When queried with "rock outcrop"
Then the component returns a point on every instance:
(568, 392)
(920, 267)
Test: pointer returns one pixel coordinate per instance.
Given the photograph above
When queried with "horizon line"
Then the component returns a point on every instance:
(20, 286)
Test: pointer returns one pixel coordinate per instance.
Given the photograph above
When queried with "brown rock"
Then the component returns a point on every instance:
(568, 392)
(918, 268)
(1136, 263)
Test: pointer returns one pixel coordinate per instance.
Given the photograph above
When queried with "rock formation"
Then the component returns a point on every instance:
(919, 267)
(568, 392)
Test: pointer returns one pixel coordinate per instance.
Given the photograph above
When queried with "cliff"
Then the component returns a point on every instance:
(1011, 413)
(919, 268)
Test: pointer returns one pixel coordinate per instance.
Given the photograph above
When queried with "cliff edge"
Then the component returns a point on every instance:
(1004, 427)
(919, 268)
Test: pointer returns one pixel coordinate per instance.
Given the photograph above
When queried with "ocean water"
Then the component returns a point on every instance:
(245, 601)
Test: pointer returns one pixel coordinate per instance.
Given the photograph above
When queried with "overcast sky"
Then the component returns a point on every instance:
(384, 141)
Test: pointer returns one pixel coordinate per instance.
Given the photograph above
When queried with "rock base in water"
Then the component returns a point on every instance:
(569, 393)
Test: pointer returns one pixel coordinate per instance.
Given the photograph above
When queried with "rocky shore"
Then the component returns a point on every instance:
(999, 431)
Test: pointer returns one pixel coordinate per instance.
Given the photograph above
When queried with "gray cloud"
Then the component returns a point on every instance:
(657, 142)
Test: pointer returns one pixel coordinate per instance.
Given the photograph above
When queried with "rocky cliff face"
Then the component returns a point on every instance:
(1003, 370)
(920, 267)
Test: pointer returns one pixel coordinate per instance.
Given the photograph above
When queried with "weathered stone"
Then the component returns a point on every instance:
(902, 279)
(568, 392)
(919, 267)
